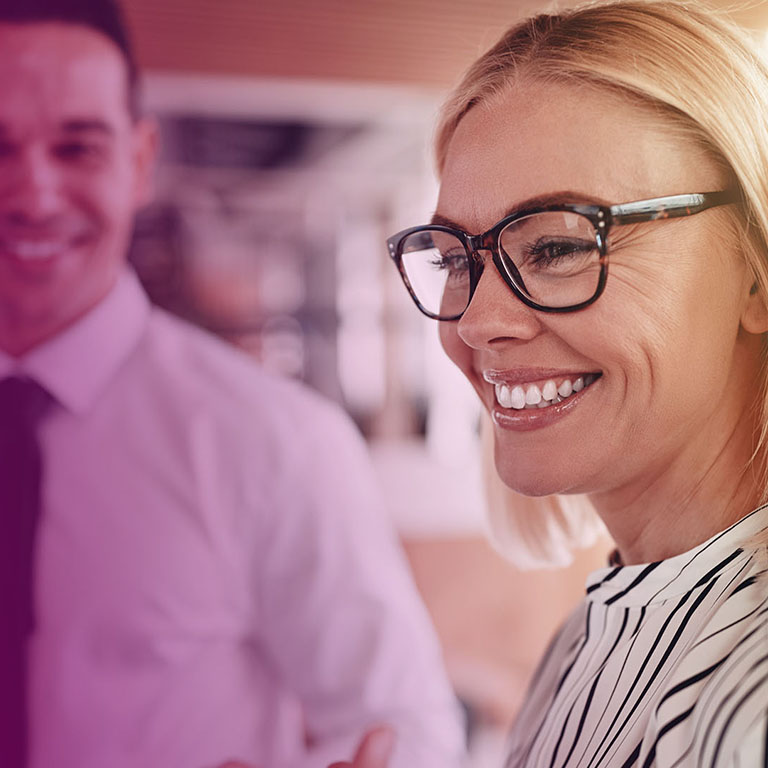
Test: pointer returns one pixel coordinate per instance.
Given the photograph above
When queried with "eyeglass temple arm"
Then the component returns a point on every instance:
(670, 207)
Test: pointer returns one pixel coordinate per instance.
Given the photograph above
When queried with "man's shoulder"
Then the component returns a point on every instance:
(186, 347)
(199, 371)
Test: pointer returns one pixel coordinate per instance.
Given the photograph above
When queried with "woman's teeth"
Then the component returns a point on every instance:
(533, 396)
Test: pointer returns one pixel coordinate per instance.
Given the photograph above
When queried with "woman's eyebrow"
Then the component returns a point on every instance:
(539, 201)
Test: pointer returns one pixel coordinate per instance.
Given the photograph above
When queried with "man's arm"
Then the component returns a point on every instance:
(343, 623)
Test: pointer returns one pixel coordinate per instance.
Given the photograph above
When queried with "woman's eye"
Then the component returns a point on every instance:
(450, 261)
(544, 253)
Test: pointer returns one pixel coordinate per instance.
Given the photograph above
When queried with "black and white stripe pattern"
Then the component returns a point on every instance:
(661, 665)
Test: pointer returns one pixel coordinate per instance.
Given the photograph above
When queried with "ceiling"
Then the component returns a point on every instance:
(424, 43)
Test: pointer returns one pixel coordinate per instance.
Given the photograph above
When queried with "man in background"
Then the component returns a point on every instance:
(193, 561)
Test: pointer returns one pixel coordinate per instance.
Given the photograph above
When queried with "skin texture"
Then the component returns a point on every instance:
(660, 441)
(74, 168)
(373, 751)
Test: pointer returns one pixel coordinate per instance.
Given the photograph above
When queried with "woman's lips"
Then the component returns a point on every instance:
(527, 400)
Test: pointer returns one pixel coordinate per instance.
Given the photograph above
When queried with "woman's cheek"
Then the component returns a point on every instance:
(455, 348)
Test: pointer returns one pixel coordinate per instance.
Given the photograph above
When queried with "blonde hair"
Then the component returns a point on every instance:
(690, 65)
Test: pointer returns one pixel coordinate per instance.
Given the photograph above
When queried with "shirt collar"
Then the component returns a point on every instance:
(637, 585)
(77, 364)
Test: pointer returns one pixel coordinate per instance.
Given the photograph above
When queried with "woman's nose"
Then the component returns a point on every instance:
(495, 314)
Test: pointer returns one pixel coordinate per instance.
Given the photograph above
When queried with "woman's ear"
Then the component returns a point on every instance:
(754, 317)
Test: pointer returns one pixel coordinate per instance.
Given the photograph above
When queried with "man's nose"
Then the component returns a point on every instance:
(32, 191)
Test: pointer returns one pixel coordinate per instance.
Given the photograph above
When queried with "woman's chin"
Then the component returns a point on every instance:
(538, 480)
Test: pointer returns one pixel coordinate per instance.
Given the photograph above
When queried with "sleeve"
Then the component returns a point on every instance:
(343, 623)
(752, 750)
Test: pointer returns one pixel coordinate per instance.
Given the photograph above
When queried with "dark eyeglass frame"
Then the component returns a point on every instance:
(602, 218)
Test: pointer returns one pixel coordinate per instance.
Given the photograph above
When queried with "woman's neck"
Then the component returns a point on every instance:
(698, 494)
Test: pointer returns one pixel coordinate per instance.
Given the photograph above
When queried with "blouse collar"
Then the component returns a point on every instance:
(646, 583)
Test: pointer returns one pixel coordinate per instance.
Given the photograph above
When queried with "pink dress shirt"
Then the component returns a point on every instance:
(216, 577)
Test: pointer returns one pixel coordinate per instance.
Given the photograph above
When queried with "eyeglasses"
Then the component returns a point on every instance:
(554, 258)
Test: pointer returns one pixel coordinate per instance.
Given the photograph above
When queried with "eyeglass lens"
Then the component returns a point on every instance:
(551, 257)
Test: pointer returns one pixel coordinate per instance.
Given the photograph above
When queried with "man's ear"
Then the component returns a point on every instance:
(146, 140)
(754, 317)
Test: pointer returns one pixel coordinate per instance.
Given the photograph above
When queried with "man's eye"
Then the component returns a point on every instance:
(7, 149)
(78, 151)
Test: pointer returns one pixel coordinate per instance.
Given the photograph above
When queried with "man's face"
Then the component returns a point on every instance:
(74, 168)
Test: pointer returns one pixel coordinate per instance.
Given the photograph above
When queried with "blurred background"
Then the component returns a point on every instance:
(296, 138)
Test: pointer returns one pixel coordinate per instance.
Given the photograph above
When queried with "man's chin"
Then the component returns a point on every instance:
(34, 311)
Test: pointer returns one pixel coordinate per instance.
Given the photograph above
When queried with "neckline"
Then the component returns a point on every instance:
(76, 365)
(647, 583)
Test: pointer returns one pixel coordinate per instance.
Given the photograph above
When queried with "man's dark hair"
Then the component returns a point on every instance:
(104, 16)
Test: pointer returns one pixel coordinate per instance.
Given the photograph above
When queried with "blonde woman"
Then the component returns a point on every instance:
(598, 262)
(598, 265)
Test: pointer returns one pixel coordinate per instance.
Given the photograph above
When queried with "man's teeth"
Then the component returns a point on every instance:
(531, 396)
(34, 251)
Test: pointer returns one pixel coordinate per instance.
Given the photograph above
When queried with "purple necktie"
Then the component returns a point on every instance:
(22, 406)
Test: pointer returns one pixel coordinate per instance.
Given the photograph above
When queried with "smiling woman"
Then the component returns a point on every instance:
(598, 262)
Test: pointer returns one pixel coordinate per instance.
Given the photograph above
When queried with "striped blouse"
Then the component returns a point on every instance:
(661, 665)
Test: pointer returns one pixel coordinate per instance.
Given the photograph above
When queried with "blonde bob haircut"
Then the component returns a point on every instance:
(697, 71)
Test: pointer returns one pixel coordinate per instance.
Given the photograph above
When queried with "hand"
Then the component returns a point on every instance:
(235, 764)
(374, 751)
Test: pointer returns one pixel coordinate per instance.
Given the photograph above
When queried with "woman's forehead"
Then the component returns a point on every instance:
(537, 138)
